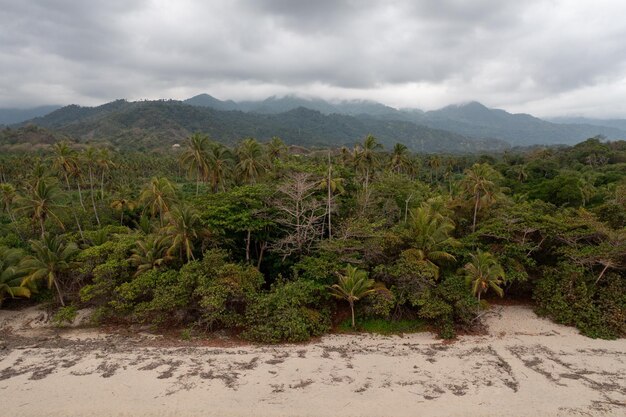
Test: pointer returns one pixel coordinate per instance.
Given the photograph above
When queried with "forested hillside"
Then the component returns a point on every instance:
(149, 124)
(274, 246)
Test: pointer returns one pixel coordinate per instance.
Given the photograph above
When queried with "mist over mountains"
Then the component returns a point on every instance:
(467, 127)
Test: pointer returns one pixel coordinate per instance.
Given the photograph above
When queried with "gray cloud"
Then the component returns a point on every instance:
(546, 57)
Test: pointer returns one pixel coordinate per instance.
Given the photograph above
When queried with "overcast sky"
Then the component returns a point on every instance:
(545, 57)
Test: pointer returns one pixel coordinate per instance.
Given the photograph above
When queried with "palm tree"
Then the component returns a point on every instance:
(41, 203)
(484, 272)
(430, 235)
(90, 156)
(367, 157)
(10, 274)
(276, 147)
(51, 258)
(480, 184)
(149, 254)
(331, 185)
(105, 164)
(435, 163)
(353, 286)
(157, 197)
(195, 157)
(399, 158)
(250, 163)
(64, 160)
(219, 165)
(185, 227)
(122, 204)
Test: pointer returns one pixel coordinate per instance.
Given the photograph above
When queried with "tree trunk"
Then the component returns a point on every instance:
(56, 285)
(330, 233)
(80, 194)
(102, 186)
(248, 246)
(263, 246)
(93, 200)
(352, 310)
(475, 212)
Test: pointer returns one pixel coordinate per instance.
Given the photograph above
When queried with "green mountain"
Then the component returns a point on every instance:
(470, 120)
(149, 124)
(476, 120)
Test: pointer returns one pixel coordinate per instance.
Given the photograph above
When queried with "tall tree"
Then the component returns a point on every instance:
(64, 160)
(400, 160)
(331, 185)
(157, 197)
(90, 158)
(51, 258)
(480, 183)
(366, 159)
(250, 160)
(219, 165)
(41, 203)
(430, 234)
(195, 157)
(183, 230)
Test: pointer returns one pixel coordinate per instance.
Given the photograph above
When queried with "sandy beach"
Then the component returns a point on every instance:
(524, 366)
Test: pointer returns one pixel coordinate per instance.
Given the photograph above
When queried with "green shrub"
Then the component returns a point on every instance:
(448, 305)
(291, 312)
(569, 295)
(65, 315)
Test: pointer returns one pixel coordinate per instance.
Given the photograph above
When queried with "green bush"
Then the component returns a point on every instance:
(65, 315)
(292, 312)
(448, 305)
(569, 295)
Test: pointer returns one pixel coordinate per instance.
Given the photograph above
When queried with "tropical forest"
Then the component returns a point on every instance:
(267, 242)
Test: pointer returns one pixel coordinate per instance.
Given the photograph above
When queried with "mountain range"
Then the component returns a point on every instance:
(301, 121)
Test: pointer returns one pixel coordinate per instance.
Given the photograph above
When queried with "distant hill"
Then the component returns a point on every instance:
(614, 123)
(470, 120)
(476, 120)
(12, 116)
(147, 124)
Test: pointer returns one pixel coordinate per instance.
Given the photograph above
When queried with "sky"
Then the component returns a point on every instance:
(544, 57)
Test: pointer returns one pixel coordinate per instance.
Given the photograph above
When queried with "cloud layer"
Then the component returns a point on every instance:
(546, 57)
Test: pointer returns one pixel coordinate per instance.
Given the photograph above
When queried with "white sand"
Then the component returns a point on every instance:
(526, 366)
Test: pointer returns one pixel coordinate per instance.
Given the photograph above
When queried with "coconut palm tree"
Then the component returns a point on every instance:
(399, 158)
(8, 196)
(11, 275)
(64, 160)
(184, 228)
(122, 204)
(331, 185)
(219, 165)
(367, 157)
(480, 184)
(484, 272)
(150, 253)
(353, 286)
(91, 158)
(51, 258)
(195, 157)
(250, 159)
(429, 233)
(105, 164)
(276, 148)
(157, 197)
(40, 203)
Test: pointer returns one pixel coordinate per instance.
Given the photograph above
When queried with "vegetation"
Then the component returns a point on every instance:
(276, 243)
